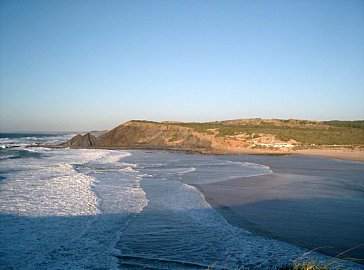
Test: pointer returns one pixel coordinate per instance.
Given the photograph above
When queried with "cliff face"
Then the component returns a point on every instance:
(144, 135)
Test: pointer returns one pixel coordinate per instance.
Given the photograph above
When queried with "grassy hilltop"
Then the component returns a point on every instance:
(304, 132)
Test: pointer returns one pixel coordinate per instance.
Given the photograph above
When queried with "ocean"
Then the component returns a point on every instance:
(124, 209)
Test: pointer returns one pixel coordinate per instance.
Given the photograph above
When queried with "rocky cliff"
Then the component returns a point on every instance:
(140, 134)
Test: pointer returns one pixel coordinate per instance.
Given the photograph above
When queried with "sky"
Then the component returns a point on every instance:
(75, 65)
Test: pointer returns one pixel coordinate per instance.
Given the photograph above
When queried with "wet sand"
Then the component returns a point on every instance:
(322, 208)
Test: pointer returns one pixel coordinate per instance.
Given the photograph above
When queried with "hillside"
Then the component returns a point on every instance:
(273, 134)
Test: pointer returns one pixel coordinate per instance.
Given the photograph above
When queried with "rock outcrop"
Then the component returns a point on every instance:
(82, 141)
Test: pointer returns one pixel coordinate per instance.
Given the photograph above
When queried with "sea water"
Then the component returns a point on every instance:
(118, 209)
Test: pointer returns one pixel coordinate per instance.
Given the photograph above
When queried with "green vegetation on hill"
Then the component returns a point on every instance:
(304, 132)
(347, 124)
(144, 121)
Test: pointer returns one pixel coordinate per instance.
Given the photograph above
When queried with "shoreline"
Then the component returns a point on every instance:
(341, 154)
(231, 217)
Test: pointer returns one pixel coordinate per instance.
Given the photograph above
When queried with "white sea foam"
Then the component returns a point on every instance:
(187, 170)
(5, 140)
(6, 156)
(249, 164)
(47, 188)
(66, 209)
(128, 167)
(216, 171)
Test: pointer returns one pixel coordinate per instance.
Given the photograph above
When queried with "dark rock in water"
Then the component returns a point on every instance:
(82, 141)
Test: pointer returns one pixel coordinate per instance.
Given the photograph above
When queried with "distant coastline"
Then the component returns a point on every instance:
(330, 139)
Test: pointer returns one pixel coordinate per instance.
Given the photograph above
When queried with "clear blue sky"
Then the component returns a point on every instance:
(84, 65)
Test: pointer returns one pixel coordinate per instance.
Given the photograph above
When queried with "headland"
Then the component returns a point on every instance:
(331, 139)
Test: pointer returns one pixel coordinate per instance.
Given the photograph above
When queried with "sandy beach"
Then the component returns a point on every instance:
(315, 204)
(344, 154)
(341, 153)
